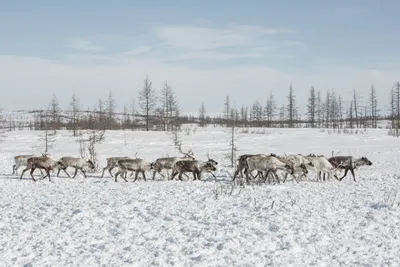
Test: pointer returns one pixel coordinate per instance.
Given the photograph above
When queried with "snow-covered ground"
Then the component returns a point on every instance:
(95, 221)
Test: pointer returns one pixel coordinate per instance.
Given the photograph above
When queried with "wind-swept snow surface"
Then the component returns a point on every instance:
(95, 221)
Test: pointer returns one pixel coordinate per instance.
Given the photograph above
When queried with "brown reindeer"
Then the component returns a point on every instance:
(42, 162)
(348, 163)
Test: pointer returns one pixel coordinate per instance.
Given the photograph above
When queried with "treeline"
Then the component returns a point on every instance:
(160, 111)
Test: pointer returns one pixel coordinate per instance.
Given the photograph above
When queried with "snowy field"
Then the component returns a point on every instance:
(97, 222)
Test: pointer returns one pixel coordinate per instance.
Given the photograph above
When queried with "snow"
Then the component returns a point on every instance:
(95, 221)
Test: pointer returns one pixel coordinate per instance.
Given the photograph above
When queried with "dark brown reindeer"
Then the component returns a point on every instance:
(169, 162)
(348, 163)
(196, 167)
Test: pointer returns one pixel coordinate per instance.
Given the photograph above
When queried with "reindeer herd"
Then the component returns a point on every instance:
(266, 166)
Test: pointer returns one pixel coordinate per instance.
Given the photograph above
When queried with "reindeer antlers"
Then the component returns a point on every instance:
(188, 154)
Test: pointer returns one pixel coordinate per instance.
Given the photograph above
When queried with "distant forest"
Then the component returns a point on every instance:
(159, 111)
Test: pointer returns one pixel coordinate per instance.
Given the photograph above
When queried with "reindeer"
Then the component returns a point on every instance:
(267, 164)
(168, 163)
(323, 166)
(77, 163)
(300, 164)
(196, 167)
(297, 168)
(136, 165)
(21, 160)
(112, 163)
(43, 162)
(349, 163)
(242, 164)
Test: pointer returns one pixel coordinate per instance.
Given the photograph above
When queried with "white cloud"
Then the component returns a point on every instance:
(139, 50)
(196, 41)
(83, 45)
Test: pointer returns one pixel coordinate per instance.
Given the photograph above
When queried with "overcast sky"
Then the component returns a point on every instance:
(204, 49)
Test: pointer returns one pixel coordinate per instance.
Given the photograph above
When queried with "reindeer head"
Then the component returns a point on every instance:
(274, 155)
(59, 165)
(209, 166)
(365, 161)
(289, 168)
(91, 164)
(304, 168)
(210, 160)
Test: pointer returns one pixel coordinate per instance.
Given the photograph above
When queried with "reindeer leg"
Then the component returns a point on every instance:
(76, 172)
(180, 176)
(48, 174)
(33, 178)
(354, 176)
(116, 175)
(294, 176)
(345, 173)
(144, 175)
(173, 174)
(23, 172)
(136, 175)
(109, 170)
(284, 179)
(84, 173)
(14, 169)
(277, 178)
(65, 170)
(102, 174)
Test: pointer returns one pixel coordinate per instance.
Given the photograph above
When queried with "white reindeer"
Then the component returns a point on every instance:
(322, 166)
(77, 163)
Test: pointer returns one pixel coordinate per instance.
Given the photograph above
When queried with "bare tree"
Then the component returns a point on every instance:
(312, 107)
(291, 107)
(270, 109)
(74, 109)
(54, 113)
(282, 116)
(351, 116)
(356, 98)
(169, 104)
(373, 107)
(111, 106)
(202, 115)
(101, 117)
(227, 110)
(232, 142)
(320, 113)
(340, 111)
(147, 98)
